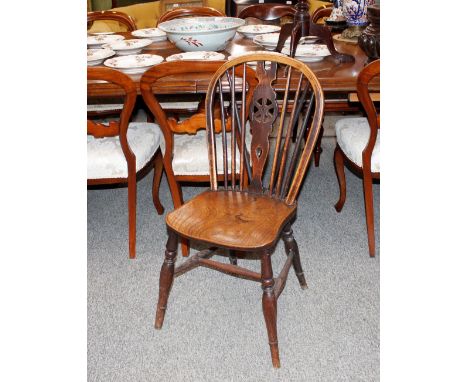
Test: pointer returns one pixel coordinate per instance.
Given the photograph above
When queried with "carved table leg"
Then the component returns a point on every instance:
(165, 278)
(269, 307)
(290, 245)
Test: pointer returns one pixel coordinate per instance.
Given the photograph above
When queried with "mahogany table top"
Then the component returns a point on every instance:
(334, 77)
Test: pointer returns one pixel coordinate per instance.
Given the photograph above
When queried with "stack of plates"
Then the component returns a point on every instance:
(270, 40)
(134, 64)
(309, 53)
(154, 34)
(96, 41)
(200, 55)
(126, 47)
(250, 31)
(97, 56)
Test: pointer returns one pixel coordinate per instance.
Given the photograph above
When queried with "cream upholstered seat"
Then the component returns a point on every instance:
(105, 155)
(191, 153)
(352, 135)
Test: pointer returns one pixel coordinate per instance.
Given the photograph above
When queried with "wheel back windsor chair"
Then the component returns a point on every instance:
(251, 217)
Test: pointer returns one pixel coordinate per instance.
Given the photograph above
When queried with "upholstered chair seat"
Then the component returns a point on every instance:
(106, 158)
(191, 153)
(352, 135)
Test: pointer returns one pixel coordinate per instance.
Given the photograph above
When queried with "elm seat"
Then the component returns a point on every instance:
(240, 220)
(352, 135)
(105, 155)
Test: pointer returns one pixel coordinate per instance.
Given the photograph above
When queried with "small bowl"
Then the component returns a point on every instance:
(97, 56)
(193, 34)
(127, 47)
(154, 34)
(252, 30)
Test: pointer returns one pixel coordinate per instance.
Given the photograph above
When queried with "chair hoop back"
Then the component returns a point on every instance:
(99, 130)
(121, 17)
(267, 12)
(301, 109)
(190, 12)
(322, 12)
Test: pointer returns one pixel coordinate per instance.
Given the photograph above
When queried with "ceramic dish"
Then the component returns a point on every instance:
(202, 55)
(270, 40)
(201, 33)
(133, 64)
(250, 31)
(97, 56)
(99, 40)
(154, 34)
(126, 47)
(310, 53)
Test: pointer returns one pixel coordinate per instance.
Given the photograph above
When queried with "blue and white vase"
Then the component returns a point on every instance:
(355, 11)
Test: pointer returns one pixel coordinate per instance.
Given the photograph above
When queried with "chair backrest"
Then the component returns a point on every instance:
(320, 13)
(301, 107)
(121, 17)
(267, 12)
(367, 74)
(114, 128)
(177, 13)
(185, 68)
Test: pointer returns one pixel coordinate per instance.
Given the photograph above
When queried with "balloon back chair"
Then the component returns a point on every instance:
(118, 150)
(358, 145)
(177, 13)
(186, 154)
(120, 17)
(250, 217)
(268, 12)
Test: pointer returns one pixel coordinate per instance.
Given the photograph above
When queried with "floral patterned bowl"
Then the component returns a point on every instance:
(201, 33)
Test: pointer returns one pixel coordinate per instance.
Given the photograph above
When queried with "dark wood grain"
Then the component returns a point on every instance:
(267, 12)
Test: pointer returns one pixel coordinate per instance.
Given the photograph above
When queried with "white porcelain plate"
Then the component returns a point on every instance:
(200, 55)
(270, 40)
(154, 34)
(97, 41)
(97, 56)
(126, 47)
(133, 64)
(310, 53)
(250, 31)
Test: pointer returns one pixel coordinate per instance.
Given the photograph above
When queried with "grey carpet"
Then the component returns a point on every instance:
(214, 328)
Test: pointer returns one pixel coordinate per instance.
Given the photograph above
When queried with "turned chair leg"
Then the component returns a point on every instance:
(269, 307)
(158, 169)
(369, 206)
(340, 174)
(290, 245)
(318, 147)
(132, 195)
(166, 278)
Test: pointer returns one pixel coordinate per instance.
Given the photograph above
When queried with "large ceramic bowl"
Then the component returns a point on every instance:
(201, 33)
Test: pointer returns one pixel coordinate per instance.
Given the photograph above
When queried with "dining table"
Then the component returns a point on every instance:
(338, 80)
